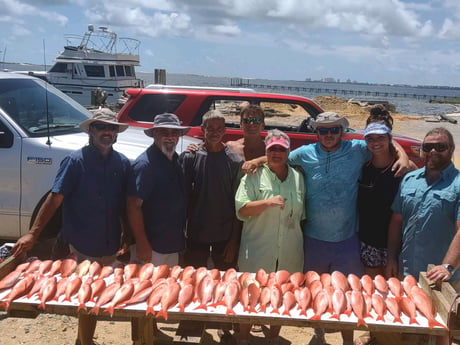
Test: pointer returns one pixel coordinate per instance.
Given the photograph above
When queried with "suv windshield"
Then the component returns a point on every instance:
(36, 107)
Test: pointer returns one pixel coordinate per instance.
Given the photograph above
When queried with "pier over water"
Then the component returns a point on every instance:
(247, 83)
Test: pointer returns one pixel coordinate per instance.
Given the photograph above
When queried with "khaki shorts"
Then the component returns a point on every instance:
(158, 259)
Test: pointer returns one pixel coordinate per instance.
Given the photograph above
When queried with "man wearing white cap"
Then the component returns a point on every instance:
(91, 187)
(157, 196)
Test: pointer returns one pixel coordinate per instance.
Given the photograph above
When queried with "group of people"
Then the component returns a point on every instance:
(253, 203)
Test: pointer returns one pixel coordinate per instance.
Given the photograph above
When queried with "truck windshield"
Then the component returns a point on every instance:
(38, 107)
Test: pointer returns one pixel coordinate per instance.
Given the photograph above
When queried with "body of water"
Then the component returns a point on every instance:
(409, 105)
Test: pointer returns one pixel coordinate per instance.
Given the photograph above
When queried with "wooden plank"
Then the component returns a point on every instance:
(142, 330)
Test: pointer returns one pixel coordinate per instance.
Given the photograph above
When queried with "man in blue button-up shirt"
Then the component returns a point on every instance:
(425, 225)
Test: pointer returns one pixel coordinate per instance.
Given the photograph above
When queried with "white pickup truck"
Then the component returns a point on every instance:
(38, 128)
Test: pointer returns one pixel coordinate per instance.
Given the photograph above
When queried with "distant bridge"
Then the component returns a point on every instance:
(239, 82)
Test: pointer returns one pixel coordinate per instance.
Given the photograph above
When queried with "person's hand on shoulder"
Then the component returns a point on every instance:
(251, 166)
(192, 147)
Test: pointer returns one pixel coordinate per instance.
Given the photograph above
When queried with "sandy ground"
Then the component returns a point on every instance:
(49, 329)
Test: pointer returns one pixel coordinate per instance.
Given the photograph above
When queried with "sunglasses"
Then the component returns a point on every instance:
(103, 126)
(255, 120)
(438, 147)
(326, 130)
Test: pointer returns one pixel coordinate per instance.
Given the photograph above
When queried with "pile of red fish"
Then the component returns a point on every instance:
(310, 295)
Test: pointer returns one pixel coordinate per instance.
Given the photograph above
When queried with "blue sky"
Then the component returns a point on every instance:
(383, 41)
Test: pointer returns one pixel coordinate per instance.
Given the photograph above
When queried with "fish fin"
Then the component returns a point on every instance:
(5, 305)
(201, 306)
(397, 319)
(433, 323)
(67, 299)
(380, 318)
(413, 321)
(316, 317)
(263, 309)
(230, 311)
(163, 314)
(347, 313)
(149, 310)
(303, 312)
(275, 311)
(94, 310)
(335, 316)
(361, 322)
(252, 310)
(286, 312)
(109, 310)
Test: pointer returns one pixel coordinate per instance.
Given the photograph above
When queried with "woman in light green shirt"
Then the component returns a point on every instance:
(271, 205)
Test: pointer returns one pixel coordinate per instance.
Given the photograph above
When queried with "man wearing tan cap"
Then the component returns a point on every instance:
(91, 187)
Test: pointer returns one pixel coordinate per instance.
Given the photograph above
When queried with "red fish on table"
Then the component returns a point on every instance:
(408, 307)
(339, 281)
(122, 295)
(358, 306)
(18, 290)
(320, 304)
(425, 305)
(339, 303)
(396, 288)
(378, 303)
(47, 292)
(169, 299)
(394, 308)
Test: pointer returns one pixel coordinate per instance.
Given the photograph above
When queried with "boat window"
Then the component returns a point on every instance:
(129, 71)
(59, 68)
(112, 70)
(94, 71)
(120, 71)
(150, 105)
(37, 108)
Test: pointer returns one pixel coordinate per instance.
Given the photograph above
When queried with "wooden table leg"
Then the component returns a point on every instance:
(142, 330)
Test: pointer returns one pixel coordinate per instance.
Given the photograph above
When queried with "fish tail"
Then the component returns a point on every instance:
(181, 308)
(335, 316)
(230, 311)
(397, 319)
(149, 310)
(316, 317)
(361, 322)
(81, 306)
(252, 310)
(94, 310)
(433, 323)
(263, 308)
(347, 313)
(5, 305)
(202, 306)
(42, 305)
(109, 310)
(162, 313)
(380, 318)
(413, 321)
(303, 312)
(286, 312)
(275, 311)
(66, 299)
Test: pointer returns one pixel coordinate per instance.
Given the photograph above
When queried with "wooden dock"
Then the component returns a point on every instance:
(246, 83)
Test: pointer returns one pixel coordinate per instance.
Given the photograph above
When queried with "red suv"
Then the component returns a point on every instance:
(291, 114)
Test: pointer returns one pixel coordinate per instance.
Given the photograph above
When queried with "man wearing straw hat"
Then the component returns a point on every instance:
(157, 197)
(91, 187)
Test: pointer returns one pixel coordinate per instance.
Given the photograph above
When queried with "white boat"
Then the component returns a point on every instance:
(96, 67)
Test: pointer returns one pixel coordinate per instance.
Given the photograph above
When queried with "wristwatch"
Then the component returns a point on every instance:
(449, 267)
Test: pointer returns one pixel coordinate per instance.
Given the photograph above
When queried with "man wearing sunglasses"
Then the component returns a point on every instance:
(332, 168)
(424, 228)
(91, 187)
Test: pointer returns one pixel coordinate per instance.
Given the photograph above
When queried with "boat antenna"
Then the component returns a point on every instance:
(48, 142)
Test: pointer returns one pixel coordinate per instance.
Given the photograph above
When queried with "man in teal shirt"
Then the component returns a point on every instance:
(424, 228)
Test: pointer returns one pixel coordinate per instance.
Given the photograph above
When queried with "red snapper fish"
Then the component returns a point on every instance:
(169, 299)
(186, 296)
(297, 279)
(378, 303)
(408, 307)
(231, 296)
(105, 297)
(339, 303)
(45, 267)
(72, 288)
(122, 295)
(408, 282)
(34, 265)
(339, 281)
(425, 305)
(367, 284)
(325, 279)
(204, 292)
(94, 269)
(68, 266)
(262, 277)
(10, 279)
(218, 293)
(396, 288)
(276, 299)
(311, 276)
(175, 272)
(22, 267)
(155, 297)
(131, 271)
(82, 268)
(84, 295)
(55, 267)
(355, 282)
(358, 306)
(303, 297)
(320, 304)
(146, 271)
(47, 292)
(18, 290)
(289, 302)
(159, 272)
(105, 272)
(381, 284)
(97, 286)
(265, 295)
(394, 308)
